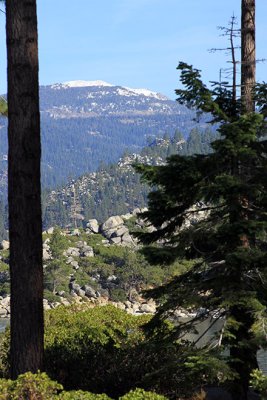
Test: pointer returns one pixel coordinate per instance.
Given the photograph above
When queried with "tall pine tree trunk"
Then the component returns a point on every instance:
(243, 352)
(24, 194)
(248, 55)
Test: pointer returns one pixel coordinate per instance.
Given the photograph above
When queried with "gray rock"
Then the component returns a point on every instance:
(127, 216)
(127, 240)
(144, 209)
(112, 278)
(121, 231)
(112, 223)
(128, 304)
(55, 304)
(150, 228)
(136, 307)
(115, 240)
(74, 287)
(96, 277)
(87, 248)
(109, 233)
(75, 264)
(73, 251)
(46, 255)
(3, 312)
(148, 308)
(69, 260)
(47, 306)
(64, 301)
(50, 231)
(134, 295)
(136, 211)
(5, 302)
(80, 244)
(76, 232)
(140, 222)
(80, 293)
(93, 225)
(121, 306)
(87, 251)
(89, 291)
(4, 245)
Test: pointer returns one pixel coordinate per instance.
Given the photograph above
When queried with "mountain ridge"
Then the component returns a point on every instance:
(116, 188)
(83, 126)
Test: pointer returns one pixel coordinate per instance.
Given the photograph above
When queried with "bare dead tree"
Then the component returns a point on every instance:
(231, 32)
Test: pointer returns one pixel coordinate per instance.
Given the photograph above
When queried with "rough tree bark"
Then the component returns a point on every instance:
(24, 194)
(244, 358)
(248, 55)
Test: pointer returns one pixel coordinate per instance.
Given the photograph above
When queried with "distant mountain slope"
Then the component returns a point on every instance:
(85, 122)
(116, 189)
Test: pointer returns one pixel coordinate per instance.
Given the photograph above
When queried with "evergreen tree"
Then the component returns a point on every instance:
(224, 194)
(178, 136)
(228, 277)
(194, 142)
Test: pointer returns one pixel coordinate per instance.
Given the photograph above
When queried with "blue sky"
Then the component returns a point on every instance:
(134, 43)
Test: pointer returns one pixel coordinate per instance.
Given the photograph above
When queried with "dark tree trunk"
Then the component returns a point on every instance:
(243, 353)
(248, 55)
(24, 194)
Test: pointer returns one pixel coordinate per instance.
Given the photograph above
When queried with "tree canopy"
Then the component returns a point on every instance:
(212, 208)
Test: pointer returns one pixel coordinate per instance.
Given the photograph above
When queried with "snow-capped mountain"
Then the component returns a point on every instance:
(101, 98)
(121, 90)
(85, 123)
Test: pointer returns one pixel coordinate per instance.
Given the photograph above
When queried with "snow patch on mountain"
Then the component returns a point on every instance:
(79, 84)
(147, 93)
(122, 90)
(86, 83)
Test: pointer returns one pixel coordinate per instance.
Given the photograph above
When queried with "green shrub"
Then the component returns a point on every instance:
(50, 296)
(118, 294)
(80, 395)
(259, 383)
(29, 387)
(99, 342)
(104, 350)
(40, 387)
(141, 394)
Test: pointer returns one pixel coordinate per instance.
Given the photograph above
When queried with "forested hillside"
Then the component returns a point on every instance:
(86, 123)
(116, 189)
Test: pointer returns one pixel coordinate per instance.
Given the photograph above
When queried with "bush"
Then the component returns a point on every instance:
(259, 383)
(99, 342)
(29, 387)
(40, 387)
(118, 294)
(104, 350)
(141, 394)
(80, 395)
